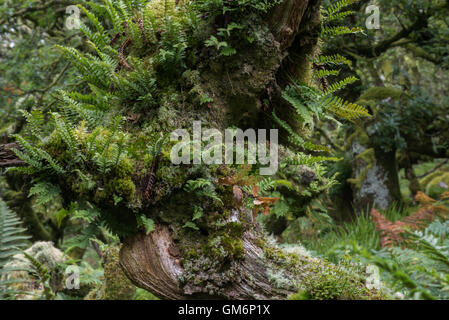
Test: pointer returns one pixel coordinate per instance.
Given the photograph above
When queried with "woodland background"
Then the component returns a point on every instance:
(363, 190)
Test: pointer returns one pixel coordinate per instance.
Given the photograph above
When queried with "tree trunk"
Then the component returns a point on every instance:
(223, 263)
(376, 181)
(228, 256)
(154, 262)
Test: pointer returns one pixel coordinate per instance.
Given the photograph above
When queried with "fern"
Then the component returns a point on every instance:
(337, 6)
(42, 274)
(340, 85)
(12, 239)
(339, 31)
(45, 192)
(202, 188)
(345, 110)
(333, 60)
(38, 159)
(35, 121)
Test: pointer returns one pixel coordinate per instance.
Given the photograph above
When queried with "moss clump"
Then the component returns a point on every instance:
(380, 93)
(123, 188)
(368, 157)
(359, 135)
(225, 248)
(124, 169)
(117, 286)
(325, 281)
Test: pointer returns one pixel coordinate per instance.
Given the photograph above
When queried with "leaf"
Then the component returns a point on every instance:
(228, 51)
(60, 215)
(148, 224)
(45, 192)
(198, 213)
(265, 203)
(191, 225)
(424, 199)
(117, 199)
(445, 195)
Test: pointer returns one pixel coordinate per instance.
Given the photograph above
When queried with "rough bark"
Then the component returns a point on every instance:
(152, 262)
(8, 157)
(231, 259)
(376, 181)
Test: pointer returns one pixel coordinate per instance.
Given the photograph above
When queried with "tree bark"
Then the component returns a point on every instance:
(228, 256)
(162, 262)
(152, 262)
(376, 181)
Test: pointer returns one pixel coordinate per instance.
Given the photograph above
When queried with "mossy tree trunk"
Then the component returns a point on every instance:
(175, 268)
(376, 179)
(227, 255)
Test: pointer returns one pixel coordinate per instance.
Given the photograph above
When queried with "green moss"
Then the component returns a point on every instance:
(123, 188)
(381, 93)
(301, 295)
(124, 169)
(360, 135)
(116, 286)
(368, 157)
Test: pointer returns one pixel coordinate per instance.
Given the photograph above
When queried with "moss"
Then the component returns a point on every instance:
(368, 157)
(224, 248)
(123, 188)
(437, 184)
(301, 295)
(381, 93)
(124, 169)
(160, 9)
(116, 286)
(142, 294)
(360, 135)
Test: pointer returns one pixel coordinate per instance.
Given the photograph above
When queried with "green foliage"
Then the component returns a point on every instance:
(395, 122)
(313, 104)
(334, 13)
(45, 192)
(42, 274)
(202, 188)
(341, 283)
(146, 223)
(217, 7)
(12, 239)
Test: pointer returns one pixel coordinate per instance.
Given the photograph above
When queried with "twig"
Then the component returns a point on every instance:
(434, 169)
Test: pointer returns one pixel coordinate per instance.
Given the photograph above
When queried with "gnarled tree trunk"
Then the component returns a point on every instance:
(154, 261)
(229, 257)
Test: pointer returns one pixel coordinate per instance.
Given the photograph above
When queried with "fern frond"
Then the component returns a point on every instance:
(318, 74)
(35, 121)
(346, 110)
(12, 240)
(65, 132)
(45, 192)
(333, 60)
(338, 16)
(295, 139)
(340, 85)
(339, 31)
(337, 6)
